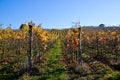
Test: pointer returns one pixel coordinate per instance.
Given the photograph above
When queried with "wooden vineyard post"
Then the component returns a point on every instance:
(80, 46)
(79, 51)
(30, 48)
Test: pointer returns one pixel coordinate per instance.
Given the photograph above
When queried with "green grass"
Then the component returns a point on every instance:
(53, 69)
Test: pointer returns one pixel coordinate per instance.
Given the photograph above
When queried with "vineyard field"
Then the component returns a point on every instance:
(85, 53)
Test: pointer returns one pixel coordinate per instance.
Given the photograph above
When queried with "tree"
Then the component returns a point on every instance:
(22, 26)
(102, 25)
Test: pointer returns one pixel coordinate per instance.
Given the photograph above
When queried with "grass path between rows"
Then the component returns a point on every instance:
(54, 69)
